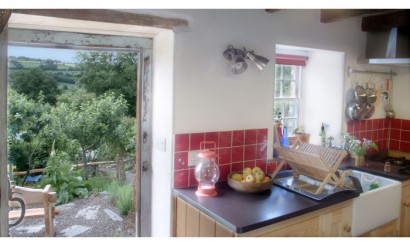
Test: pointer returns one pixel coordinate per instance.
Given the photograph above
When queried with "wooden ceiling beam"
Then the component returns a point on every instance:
(386, 21)
(331, 15)
(109, 16)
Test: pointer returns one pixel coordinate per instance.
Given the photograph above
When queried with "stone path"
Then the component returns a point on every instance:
(92, 217)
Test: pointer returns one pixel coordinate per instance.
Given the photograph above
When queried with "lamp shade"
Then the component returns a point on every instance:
(239, 66)
(259, 61)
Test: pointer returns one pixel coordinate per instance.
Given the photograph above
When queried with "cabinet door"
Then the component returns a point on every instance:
(307, 228)
(387, 230)
(337, 223)
(405, 212)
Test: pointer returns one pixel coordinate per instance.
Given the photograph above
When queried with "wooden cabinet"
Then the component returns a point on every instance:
(387, 230)
(405, 210)
(331, 221)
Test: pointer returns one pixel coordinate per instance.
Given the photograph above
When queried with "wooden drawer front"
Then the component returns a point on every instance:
(405, 212)
(307, 228)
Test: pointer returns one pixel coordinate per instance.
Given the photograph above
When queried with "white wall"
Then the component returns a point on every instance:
(162, 92)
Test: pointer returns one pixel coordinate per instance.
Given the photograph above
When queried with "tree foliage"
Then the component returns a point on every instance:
(90, 122)
(32, 82)
(102, 72)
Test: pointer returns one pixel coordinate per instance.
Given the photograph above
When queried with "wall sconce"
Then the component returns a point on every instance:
(239, 57)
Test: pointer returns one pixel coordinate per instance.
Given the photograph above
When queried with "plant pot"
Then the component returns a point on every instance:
(359, 161)
(303, 137)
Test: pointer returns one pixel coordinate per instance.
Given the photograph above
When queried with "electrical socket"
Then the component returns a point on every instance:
(193, 158)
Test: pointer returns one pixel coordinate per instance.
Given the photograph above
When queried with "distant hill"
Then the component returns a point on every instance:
(64, 73)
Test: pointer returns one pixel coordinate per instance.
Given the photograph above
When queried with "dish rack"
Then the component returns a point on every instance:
(313, 161)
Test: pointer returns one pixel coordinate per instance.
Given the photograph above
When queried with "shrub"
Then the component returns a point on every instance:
(122, 195)
(99, 183)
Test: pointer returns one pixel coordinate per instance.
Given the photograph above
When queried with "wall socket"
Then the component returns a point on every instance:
(193, 158)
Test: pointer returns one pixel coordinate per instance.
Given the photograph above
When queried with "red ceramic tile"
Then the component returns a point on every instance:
(356, 126)
(405, 125)
(192, 179)
(396, 124)
(196, 139)
(212, 136)
(237, 153)
(224, 171)
(349, 126)
(250, 152)
(250, 136)
(261, 151)
(224, 156)
(262, 136)
(367, 135)
(385, 134)
(250, 164)
(225, 139)
(374, 135)
(405, 136)
(261, 164)
(369, 125)
(270, 167)
(180, 160)
(405, 147)
(394, 145)
(362, 125)
(237, 167)
(181, 178)
(181, 142)
(238, 138)
(376, 124)
(394, 134)
(360, 136)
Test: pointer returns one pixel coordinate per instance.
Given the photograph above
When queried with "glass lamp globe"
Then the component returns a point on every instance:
(207, 174)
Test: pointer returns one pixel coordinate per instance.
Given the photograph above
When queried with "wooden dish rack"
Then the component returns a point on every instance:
(319, 163)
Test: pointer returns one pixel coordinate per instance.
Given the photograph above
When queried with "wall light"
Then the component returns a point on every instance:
(239, 57)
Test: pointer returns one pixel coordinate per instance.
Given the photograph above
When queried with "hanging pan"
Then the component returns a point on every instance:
(360, 94)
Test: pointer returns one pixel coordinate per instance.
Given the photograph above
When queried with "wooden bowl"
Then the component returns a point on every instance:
(249, 187)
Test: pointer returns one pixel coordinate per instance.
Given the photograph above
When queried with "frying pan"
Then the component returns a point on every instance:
(353, 110)
(371, 95)
(367, 111)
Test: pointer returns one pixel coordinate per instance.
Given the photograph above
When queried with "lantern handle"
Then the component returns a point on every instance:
(204, 143)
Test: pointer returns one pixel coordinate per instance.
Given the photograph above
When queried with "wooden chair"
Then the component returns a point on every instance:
(44, 197)
(319, 163)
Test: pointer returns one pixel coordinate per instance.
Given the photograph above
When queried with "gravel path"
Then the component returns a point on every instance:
(92, 217)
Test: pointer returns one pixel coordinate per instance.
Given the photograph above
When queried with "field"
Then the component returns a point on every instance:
(63, 73)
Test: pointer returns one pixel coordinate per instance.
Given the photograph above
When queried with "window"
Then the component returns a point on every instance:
(287, 95)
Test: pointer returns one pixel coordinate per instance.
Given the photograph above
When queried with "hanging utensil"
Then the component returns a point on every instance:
(353, 111)
(367, 111)
(360, 94)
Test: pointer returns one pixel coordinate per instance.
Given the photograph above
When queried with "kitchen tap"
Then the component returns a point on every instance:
(330, 142)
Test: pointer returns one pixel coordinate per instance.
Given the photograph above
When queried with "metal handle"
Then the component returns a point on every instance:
(347, 228)
(145, 165)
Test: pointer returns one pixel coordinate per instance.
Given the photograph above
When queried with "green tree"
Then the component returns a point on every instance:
(34, 81)
(90, 122)
(27, 121)
(102, 72)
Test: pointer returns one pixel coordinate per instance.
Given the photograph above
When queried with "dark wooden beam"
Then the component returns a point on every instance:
(331, 15)
(109, 16)
(386, 21)
(4, 17)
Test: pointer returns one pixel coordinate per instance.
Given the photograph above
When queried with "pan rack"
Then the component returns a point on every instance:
(350, 71)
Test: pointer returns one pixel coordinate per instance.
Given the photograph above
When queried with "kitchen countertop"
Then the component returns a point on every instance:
(376, 168)
(243, 212)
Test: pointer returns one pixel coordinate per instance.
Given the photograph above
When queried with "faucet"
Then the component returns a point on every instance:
(330, 142)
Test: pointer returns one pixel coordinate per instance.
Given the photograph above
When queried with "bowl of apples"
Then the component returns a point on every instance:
(250, 180)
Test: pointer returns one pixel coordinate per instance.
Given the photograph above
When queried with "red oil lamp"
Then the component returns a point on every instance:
(206, 171)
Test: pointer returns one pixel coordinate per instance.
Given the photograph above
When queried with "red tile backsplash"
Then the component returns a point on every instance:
(236, 150)
(393, 134)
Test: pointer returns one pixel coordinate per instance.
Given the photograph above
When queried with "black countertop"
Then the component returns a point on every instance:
(243, 212)
(376, 168)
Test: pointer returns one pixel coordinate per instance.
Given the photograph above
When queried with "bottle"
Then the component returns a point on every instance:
(285, 141)
(323, 135)
(387, 167)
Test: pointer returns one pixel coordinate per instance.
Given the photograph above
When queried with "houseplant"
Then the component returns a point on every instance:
(357, 148)
(301, 135)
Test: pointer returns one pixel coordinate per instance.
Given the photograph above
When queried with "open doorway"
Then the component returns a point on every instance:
(142, 47)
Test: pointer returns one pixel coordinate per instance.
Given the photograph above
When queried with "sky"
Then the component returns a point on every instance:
(63, 55)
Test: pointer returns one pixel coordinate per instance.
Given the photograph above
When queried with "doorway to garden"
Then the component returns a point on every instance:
(134, 49)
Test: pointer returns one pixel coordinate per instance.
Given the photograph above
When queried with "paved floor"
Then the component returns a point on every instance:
(92, 217)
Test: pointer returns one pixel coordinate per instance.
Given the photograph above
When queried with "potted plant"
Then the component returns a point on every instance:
(358, 149)
(301, 135)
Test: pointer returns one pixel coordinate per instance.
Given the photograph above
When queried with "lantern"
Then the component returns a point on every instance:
(206, 171)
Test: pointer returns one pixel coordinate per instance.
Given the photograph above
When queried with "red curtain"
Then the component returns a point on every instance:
(291, 60)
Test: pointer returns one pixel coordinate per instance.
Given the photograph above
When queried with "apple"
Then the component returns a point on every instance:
(259, 175)
(246, 171)
(255, 169)
(250, 178)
